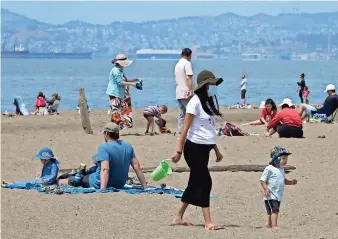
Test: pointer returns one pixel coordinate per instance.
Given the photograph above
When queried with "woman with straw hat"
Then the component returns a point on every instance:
(198, 138)
(120, 111)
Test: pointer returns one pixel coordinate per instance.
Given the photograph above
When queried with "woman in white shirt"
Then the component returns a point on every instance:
(198, 138)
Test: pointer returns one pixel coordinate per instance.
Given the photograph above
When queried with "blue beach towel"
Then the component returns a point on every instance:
(36, 185)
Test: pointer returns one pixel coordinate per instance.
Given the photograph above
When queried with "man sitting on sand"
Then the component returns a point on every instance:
(330, 105)
(113, 160)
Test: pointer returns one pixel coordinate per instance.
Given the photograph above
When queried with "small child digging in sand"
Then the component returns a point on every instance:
(273, 181)
(153, 111)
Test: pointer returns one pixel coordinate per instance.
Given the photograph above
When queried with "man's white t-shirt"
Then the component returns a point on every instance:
(183, 68)
(243, 84)
(202, 130)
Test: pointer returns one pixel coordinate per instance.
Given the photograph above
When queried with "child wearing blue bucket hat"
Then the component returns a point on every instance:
(50, 167)
(273, 181)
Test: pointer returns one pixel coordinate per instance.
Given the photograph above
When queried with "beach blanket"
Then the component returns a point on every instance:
(54, 189)
(60, 189)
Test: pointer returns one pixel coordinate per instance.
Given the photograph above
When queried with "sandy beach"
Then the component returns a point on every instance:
(309, 209)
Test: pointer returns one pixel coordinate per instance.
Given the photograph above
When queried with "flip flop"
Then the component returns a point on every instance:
(213, 228)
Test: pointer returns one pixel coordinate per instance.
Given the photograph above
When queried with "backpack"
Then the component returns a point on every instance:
(232, 130)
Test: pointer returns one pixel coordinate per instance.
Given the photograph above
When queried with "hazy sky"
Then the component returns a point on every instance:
(107, 12)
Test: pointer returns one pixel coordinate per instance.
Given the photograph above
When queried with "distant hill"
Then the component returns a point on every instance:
(226, 32)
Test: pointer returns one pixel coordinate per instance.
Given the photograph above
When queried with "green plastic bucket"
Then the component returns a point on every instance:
(162, 171)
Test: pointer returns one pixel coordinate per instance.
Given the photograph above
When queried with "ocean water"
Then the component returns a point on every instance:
(266, 79)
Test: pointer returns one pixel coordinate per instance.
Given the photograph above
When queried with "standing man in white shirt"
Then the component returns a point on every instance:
(243, 89)
(184, 84)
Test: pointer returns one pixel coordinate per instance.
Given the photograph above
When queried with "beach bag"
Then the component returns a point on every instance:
(232, 130)
(321, 117)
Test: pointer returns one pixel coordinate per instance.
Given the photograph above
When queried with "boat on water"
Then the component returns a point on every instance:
(158, 54)
(154, 54)
(251, 57)
(21, 52)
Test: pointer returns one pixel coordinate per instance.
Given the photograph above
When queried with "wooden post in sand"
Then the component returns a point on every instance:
(84, 112)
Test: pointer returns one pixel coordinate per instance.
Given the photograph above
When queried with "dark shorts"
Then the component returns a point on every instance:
(286, 131)
(146, 116)
(243, 93)
(272, 206)
(84, 183)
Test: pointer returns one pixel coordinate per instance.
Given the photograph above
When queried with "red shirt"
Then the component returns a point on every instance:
(40, 102)
(287, 116)
(268, 116)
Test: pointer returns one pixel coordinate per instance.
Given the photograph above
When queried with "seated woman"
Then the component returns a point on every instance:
(287, 122)
(268, 113)
(53, 104)
(40, 103)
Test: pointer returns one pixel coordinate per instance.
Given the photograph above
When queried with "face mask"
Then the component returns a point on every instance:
(212, 91)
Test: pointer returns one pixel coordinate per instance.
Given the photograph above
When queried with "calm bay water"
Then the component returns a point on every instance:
(266, 79)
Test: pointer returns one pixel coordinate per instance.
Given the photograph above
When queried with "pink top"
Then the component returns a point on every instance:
(40, 102)
(306, 93)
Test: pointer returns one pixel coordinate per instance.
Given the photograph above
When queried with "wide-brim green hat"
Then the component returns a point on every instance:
(207, 77)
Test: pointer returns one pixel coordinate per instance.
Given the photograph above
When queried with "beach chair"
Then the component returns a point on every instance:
(333, 116)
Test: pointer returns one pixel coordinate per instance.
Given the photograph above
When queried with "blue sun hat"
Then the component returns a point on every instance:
(275, 154)
(46, 153)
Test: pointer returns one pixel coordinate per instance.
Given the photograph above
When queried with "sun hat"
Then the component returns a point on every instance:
(288, 102)
(276, 152)
(122, 60)
(207, 77)
(111, 128)
(45, 153)
(330, 87)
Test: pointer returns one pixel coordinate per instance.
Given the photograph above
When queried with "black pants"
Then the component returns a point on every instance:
(301, 96)
(199, 186)
(286, 131)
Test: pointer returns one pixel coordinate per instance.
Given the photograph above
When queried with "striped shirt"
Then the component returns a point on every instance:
(154, 111)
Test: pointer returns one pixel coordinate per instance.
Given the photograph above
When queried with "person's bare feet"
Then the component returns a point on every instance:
(268, 225)
(180, 221)
(274, 228)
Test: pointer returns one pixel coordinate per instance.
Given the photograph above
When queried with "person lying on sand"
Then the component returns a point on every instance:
(330, 105)
(273, 181)
(113, 160)
(268, 113)
(287, 122)
(153, 111)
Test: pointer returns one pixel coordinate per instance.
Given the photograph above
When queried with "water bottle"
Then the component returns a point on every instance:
(78, 177)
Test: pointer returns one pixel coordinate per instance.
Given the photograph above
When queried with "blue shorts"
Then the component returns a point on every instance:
(310, 110)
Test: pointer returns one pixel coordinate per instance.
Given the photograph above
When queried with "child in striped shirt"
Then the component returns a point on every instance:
(153, 111)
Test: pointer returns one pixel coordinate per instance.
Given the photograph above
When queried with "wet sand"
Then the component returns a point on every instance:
(309, 209)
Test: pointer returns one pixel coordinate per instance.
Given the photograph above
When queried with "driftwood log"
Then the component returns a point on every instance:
(231, 168)
(84, 112)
